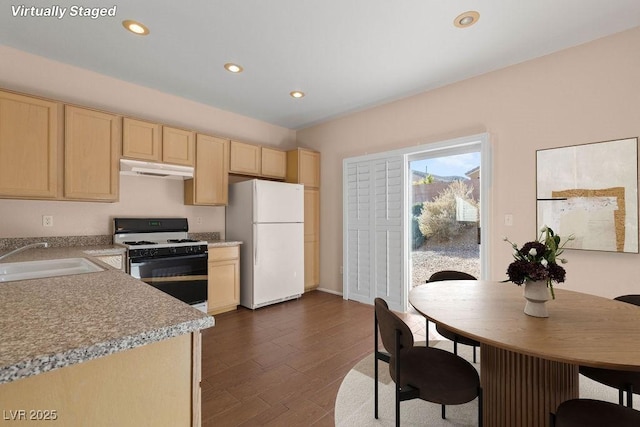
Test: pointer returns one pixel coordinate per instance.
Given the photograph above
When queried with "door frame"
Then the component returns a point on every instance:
(444, 148)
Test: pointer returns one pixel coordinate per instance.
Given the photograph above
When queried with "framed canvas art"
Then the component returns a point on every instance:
(590, 191)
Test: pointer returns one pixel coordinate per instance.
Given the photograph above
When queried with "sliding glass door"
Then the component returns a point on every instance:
(396, 233)
(444, 199)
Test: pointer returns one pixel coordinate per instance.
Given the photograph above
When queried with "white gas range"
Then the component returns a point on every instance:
(160, 253)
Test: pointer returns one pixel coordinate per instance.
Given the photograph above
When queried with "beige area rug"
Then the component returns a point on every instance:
(354, 403)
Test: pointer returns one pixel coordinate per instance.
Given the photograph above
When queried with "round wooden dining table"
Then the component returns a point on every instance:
(529, 365)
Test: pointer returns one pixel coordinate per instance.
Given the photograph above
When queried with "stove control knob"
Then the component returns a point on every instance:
(188, 249)
(152, 252)
(172, 250)
(144, 252)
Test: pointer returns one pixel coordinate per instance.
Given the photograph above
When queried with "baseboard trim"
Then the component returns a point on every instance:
(329, 291)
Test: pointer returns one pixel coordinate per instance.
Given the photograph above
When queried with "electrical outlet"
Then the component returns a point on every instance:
(199, 220)
(47, 221)
(508, 220)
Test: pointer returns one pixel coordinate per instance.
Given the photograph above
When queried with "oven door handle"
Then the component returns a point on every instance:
(138, 260)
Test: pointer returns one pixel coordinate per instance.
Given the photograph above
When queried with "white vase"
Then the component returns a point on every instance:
(537, 294)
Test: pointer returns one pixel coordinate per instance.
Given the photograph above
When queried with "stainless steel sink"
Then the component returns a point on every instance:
(12, 271)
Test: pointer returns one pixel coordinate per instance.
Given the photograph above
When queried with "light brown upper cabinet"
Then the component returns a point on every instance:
(152, 142)
(178, 146)
(210, 184)
(256, 160)
(303, 167)
(274, 163)
(141, 140)
(245, 159)
(91, 154)
(30, 146)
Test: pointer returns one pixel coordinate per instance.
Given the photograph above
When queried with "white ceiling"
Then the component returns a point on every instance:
(346, 55)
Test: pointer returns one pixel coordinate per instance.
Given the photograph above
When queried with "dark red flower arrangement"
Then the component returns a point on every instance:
(538, 260)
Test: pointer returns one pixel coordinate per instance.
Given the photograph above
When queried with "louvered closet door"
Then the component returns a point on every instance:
(359, 207)
(388, 192)
(374, 226)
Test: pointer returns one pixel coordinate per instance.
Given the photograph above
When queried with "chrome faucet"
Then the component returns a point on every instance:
(24, 248)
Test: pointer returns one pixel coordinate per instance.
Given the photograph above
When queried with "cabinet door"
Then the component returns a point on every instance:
(178, 146)
(29, 147)
(245, 158)
(223, 293)
(91, 155)
(210, 185)
(311, 239)
(274, 163)
(311, 214)
(162, 378)
(303, 167)
(141, 140)
(309, 168)
(311, 265)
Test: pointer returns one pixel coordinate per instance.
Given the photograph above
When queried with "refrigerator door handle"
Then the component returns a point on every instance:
(255, 244)
(254, 201)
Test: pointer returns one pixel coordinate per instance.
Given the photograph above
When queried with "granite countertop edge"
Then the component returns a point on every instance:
(45, 363)
(223, 243)
(19, 363)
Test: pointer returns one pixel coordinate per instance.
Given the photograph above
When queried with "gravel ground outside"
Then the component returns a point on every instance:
(461, 254)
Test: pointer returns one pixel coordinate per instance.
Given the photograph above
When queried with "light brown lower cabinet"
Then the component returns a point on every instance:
(157, 384)
(223, 292)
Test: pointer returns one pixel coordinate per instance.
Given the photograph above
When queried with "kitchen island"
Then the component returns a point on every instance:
(97, 349)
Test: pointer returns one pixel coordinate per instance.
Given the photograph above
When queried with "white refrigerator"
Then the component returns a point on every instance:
(268, 217)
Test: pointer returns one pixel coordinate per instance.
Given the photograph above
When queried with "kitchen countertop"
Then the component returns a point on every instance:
(223, 243)
(54, 322)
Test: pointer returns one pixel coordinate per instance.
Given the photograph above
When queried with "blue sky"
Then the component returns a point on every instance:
(448, 165)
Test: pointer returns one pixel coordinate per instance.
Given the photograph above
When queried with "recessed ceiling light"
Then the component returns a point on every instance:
(135, 27)
(297, 94)
(466, 19)
(233, 68)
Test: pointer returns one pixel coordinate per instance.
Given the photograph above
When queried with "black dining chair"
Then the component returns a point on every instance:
(447, 333)
(593, 413)
(625, 381)
(426, 373)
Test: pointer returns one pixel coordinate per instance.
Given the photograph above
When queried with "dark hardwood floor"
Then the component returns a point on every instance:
(282, 365)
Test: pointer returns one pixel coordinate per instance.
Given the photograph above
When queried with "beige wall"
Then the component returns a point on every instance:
(139, 196)
(585, 94)
(35, 75)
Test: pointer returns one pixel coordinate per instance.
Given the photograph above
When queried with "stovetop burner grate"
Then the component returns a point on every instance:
(181, 241)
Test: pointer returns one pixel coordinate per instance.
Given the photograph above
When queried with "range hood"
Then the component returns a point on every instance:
(157, 170)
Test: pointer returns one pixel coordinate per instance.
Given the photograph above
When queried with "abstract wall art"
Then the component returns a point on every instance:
(590, 191)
